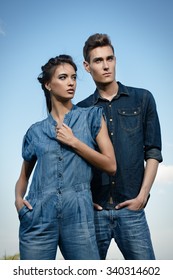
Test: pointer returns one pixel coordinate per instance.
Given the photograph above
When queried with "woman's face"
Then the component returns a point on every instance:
(62, 86)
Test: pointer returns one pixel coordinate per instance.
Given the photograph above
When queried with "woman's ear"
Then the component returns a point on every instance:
(47, 86)
(86, 66)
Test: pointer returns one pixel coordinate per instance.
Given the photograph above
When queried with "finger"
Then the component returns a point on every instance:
(97, 206)
(121, 205)
(57, 130)
(27, 204)
(65, 125)
(58, 127)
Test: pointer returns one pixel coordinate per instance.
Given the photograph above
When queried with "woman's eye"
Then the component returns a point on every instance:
(62, 77)
(74, 78)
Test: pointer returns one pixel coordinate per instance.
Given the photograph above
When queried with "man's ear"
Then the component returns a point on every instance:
(86, 66)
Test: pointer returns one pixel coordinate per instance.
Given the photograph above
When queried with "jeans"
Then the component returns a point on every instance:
(129, 230)
(63, 219)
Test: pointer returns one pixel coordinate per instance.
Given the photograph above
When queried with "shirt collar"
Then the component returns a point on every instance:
(122, 90)
(67, 116)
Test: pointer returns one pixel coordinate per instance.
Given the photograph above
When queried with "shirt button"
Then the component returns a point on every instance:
(112, 133)
(113, 183)
(110, 120)
(110, 105)
(60, 175)
(60, 158)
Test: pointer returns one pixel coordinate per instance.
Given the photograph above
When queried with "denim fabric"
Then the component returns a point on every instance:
(60, 191)
(129, 230)
(134, 129)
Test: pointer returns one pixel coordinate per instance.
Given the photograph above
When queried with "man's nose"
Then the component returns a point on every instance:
(105, 65)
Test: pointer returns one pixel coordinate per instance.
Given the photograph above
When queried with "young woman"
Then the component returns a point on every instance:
(58, 209)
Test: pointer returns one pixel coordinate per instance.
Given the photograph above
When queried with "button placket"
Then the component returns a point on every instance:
(60, 172)
(110, 124)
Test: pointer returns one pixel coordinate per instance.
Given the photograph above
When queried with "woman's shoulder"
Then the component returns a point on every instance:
(92, 115)
(89, 110)
(36, 126)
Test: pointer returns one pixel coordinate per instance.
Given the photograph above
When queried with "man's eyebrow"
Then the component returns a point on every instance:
(101, 58)
(110, 56)
(97, 58)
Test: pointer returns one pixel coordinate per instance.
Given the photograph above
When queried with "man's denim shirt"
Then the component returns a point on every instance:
(134, 129)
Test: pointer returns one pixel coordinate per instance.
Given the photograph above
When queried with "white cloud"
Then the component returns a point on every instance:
(164, 174)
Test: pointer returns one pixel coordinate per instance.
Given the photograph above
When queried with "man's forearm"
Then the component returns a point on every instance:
(149, 177)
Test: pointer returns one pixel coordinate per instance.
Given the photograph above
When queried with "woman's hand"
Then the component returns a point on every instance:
(20, 202)
(104, 159)
(65, 135)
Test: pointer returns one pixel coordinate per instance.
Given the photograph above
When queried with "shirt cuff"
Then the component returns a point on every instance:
(154, 153)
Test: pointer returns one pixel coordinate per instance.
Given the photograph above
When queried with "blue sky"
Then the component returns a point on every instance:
(31, 32)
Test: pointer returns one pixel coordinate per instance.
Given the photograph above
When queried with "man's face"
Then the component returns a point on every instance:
(101, 65)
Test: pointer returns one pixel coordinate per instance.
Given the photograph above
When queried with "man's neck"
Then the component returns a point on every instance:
(108, 91)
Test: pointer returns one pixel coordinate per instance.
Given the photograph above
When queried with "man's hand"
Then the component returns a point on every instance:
(97, 206)
(132, 204)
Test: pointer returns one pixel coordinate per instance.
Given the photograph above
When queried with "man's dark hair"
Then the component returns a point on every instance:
(94, 41)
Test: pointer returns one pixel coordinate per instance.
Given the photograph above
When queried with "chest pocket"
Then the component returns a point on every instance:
(129, 118)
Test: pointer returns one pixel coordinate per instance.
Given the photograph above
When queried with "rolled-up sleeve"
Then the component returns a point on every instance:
(155, 154)
(153, 143)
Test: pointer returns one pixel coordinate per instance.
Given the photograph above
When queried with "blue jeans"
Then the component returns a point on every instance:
(129, 230)
(64, 219)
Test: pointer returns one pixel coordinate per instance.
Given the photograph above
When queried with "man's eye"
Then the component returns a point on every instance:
(98, 61)
(110, 58)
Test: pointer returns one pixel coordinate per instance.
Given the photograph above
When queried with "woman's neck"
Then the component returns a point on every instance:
(59, 110)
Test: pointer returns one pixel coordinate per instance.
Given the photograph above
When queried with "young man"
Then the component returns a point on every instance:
(134, 129)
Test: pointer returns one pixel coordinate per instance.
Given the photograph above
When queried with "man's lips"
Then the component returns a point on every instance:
(70, 91)
(107, 74)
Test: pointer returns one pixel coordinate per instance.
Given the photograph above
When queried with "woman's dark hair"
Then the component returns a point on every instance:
(48, 71)
(94, 41)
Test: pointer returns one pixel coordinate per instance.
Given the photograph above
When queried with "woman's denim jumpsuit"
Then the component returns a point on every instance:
(60, 191)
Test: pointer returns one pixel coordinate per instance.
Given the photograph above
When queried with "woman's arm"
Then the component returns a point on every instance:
(22, 183)
(104, 160)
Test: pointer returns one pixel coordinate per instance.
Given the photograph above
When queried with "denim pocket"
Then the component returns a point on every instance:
(23, 211)
(134, 211)
(130, 118)
(25, 214)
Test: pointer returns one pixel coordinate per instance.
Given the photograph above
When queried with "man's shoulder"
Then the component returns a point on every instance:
(134, 90)
(87, 102)
(137, 93)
